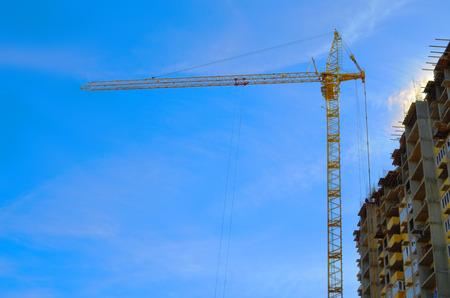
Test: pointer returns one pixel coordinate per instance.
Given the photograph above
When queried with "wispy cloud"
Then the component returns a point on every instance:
(290, 178)
(357, 23)
(118, 213)
(31, 293)
(54, 59)
(362, 23)
(70, 60)
(280, 277)
(399, 101)
(83, 201)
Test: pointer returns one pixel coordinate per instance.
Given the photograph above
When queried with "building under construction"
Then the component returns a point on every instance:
(403, 235)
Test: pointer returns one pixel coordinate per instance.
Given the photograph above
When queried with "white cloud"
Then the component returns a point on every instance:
(399, 101)
(31, 293)
(363, 22)
(290, 178)
(55, 59)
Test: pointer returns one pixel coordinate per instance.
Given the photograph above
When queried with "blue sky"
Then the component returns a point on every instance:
(121, 194)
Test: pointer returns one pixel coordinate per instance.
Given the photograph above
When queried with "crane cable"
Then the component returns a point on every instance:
(246, 54)
(367, 134)
(359, 138)
(370, 203)
(226, 192)
(227, 188)
(234, 191)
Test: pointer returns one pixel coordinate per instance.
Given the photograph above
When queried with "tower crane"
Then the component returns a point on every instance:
(330, 86)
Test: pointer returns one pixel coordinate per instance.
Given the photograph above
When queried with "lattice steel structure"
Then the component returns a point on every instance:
(330, 80)
(330, 88)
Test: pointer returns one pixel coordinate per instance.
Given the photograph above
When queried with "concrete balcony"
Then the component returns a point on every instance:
(364, 226)
(393, 223)
(406, 239)
(398, 275)
(427, 257)
(382, 255)
(413, 136)
(403, 202)
(400, 294)
(395, 243)
(420, 194)
(430, 282)
(445, 185)
(416, 154)
(417, 174)
(396, 260)
(409, 281)
(407, 261)
(445, 202)
(422, 215)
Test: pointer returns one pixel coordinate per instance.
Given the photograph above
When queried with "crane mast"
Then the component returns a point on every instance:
(330, 81)
(330, 91)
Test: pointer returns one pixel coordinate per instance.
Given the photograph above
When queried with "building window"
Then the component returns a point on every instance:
(408, 272)
(406, 253)
(448, 250)
(411, 225)
(399, 285)
(410, 293)
(447, 224)
(417, 287)
(409, 207)
(413, 245)
(440, 155)
(445, 200)
(403, 214)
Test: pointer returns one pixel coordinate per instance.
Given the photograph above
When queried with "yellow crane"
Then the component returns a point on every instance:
(330, 81)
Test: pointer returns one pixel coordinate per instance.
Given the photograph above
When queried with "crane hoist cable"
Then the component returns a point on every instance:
(367, 134)
(226, 191)
(371, 202)
(234, 191)
(359, 145)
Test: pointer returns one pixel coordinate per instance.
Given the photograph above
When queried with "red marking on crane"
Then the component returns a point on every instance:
(237, 83)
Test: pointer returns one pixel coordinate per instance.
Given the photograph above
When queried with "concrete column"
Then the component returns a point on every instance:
(438, 241)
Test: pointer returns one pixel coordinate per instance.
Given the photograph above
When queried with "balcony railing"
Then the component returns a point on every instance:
(445, 200)
(440, 155)
(398, 286)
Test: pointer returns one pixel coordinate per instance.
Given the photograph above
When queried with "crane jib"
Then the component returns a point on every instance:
(230, 80)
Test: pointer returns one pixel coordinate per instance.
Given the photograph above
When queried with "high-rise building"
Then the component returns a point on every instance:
(403, 234)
